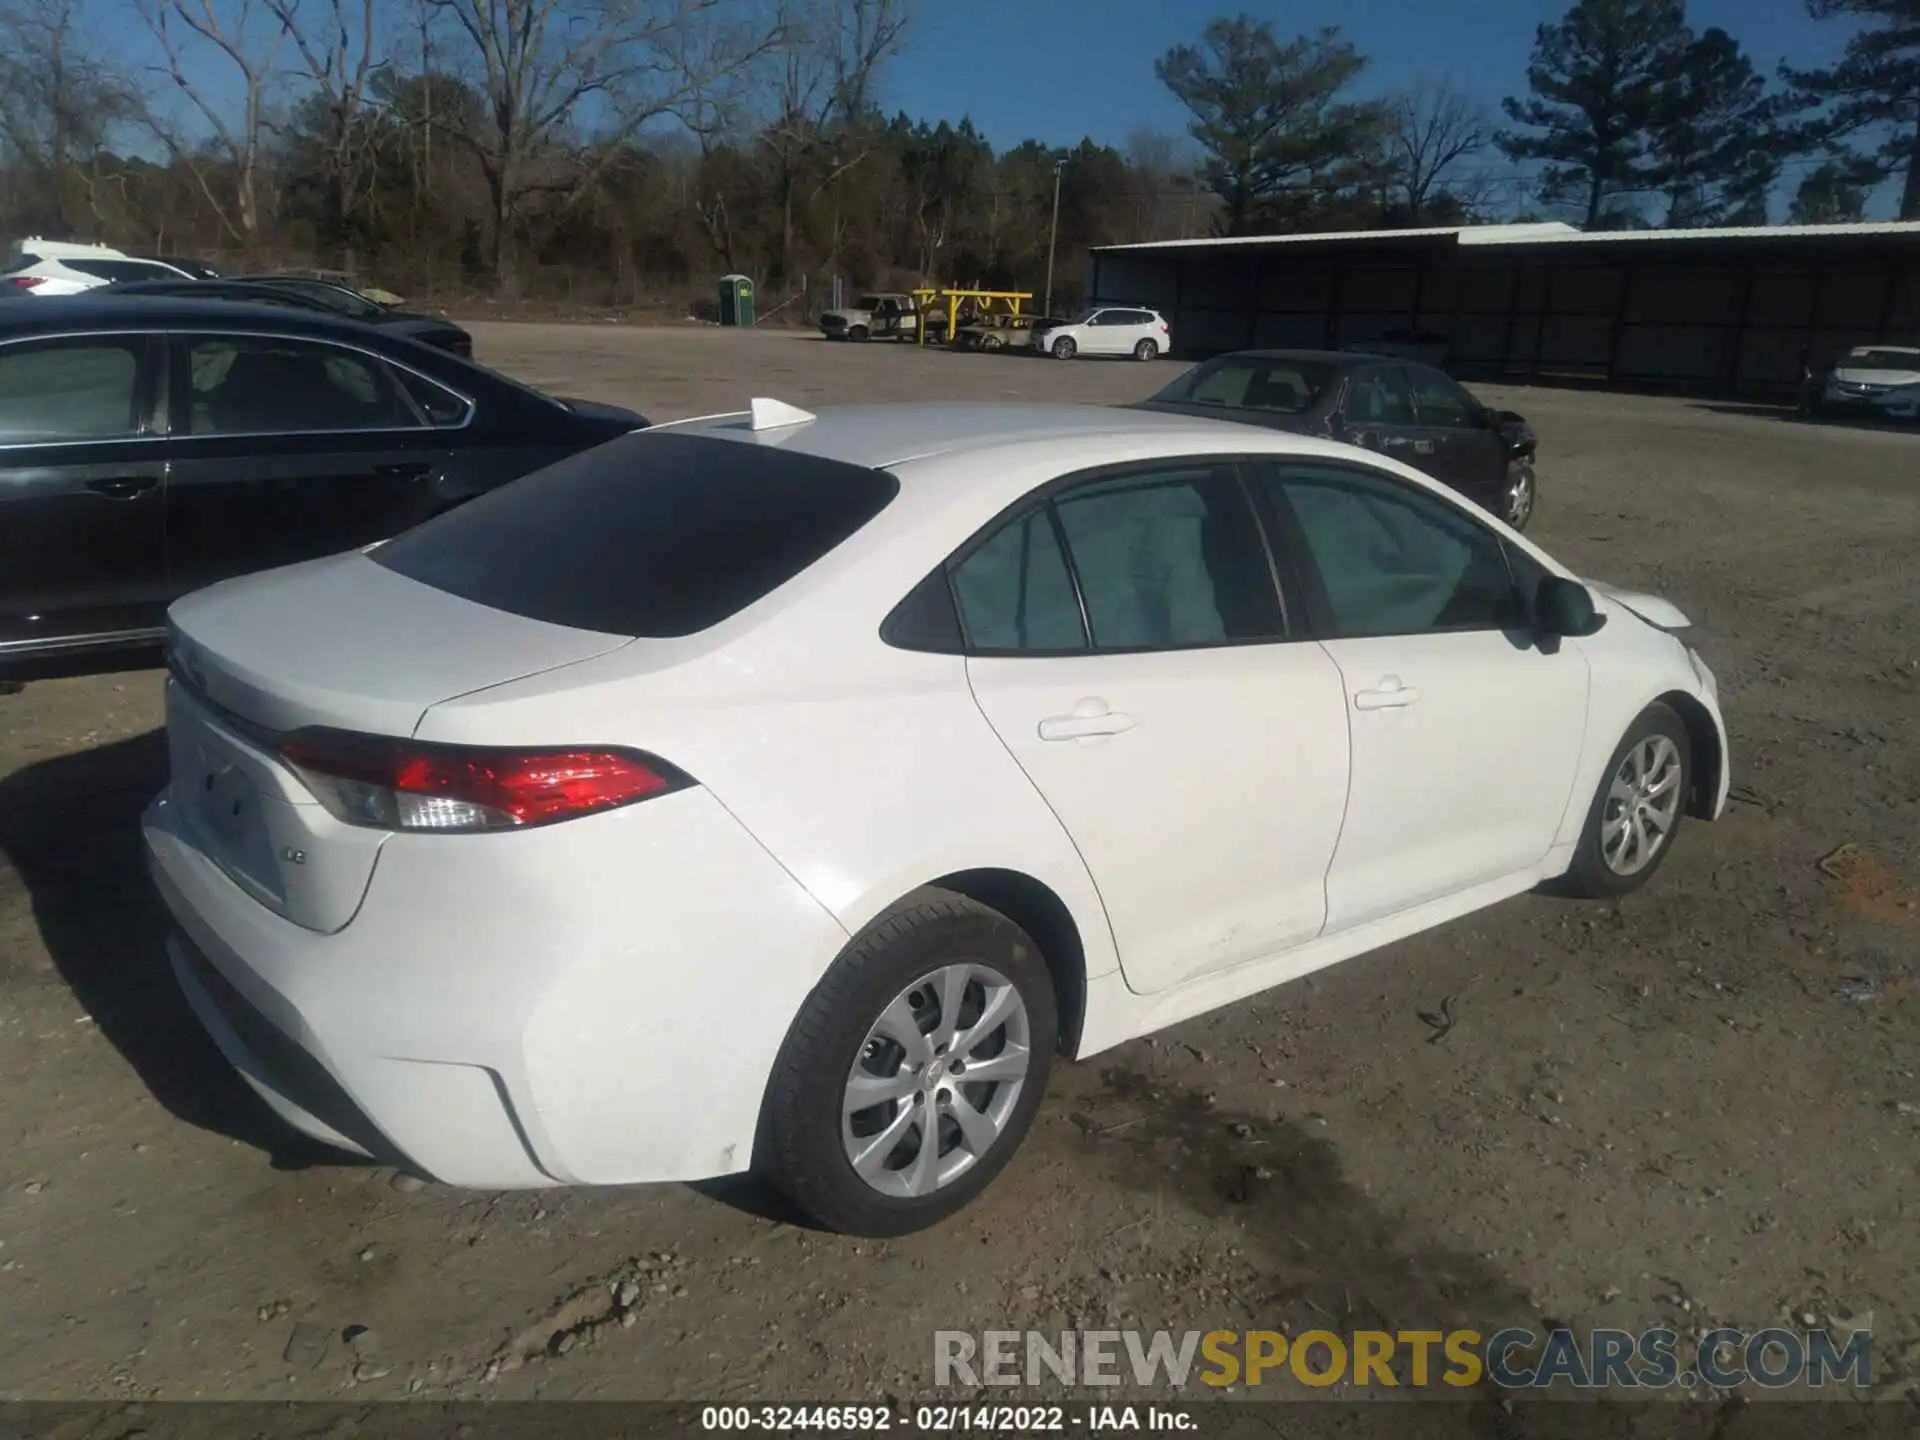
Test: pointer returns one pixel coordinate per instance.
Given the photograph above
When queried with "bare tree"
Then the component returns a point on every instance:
(235, 33)
(1434, 127)
(826, 57)
(341, 51)
(60, 101)
(541, 64)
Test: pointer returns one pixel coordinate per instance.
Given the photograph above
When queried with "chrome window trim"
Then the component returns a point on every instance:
(472, 405)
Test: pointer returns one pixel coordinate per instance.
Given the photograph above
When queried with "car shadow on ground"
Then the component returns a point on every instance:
(1793, 416)
(70, 827)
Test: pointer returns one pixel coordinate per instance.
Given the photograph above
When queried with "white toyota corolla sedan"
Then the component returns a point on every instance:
(787, 791)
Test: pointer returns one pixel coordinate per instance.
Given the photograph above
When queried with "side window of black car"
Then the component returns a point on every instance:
(1379, 397)
(68, 390)
(267, 385)
(1441, 401)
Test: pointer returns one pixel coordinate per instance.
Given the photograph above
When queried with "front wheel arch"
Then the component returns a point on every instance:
(1708, 755)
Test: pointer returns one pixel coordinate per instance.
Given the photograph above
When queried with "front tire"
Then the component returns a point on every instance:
(1518, 494)
(913, 1070)
(1146, 350)
(1631, 824)
(1064, 348)
(992, 342)
(858, 332)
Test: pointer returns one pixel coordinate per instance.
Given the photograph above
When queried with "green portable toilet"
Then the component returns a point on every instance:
(736, 300)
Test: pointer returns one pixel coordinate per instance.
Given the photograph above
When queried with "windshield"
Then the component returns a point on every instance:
(867, 302)
(1873, 359)
(1286, 387)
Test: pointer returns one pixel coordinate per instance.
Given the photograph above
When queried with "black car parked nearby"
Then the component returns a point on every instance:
(305, 295)
(152, 446)
(1399, 407)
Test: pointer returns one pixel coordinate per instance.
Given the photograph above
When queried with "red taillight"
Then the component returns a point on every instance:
(28, 282)
(391, 784)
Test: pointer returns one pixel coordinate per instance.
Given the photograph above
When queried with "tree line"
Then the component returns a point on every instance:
(617, 149)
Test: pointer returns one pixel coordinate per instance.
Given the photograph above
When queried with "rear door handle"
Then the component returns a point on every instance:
(1091, 719)
(1394, 442)
(403, 470)
(123, 487)
(1389, 695)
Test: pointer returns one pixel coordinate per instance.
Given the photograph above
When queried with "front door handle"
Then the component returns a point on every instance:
(403, 470)
(1390, 694)
(1394, 442)
(1091, 719)
(123, 487)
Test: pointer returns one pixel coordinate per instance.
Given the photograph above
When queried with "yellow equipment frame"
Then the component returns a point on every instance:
(926, 297)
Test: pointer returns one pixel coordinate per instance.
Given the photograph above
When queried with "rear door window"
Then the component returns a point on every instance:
(1380, 397)
(68, 390)
(266, 385)
(649, 536)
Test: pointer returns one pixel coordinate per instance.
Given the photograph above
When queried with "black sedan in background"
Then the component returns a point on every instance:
(1401, 408)
(152, 446)
(313, 295)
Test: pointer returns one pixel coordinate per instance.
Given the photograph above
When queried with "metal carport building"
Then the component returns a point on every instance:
(1726, 312)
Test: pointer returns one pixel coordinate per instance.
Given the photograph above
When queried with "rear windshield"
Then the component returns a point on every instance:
(1288, 387)
(650, 535)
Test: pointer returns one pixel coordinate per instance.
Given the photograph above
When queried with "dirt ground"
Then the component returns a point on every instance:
(1700, 1105)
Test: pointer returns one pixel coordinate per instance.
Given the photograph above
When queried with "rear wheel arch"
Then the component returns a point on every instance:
(1707, 755)
(1035, 907)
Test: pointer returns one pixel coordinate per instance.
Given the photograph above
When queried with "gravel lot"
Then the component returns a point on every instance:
(1697, 1106)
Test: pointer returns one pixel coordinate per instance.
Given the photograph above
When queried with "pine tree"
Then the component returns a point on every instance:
(1598, 78)
(1270, 118)
(1712, 143)
(1874, 89)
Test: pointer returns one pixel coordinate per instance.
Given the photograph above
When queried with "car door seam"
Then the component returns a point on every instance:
(1033, 785)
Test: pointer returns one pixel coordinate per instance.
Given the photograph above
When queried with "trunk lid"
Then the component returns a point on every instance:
(340, 642)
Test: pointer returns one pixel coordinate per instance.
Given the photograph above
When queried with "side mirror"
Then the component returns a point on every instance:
(1565, 608)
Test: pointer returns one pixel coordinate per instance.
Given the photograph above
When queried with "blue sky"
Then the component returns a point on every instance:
(1057, 70)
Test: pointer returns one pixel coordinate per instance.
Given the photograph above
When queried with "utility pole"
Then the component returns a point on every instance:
(1053, 235)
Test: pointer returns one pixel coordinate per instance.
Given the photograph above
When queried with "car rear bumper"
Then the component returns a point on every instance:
(596, 1002)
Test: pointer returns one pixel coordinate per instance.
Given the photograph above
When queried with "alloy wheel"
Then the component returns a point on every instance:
(936, 1080)
(1517, 502)
(1643, 803)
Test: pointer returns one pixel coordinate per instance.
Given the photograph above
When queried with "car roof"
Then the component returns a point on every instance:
(884, 436)
(63, 313)
(1891, 349)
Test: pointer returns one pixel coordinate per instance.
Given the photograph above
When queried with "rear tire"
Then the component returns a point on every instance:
(992, 342)
(1146, 350)
(1064, 348)
(936, 964)
(1629, 832)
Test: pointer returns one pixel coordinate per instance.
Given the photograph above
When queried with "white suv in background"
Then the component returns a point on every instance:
(65, 267)
(1105, 330)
